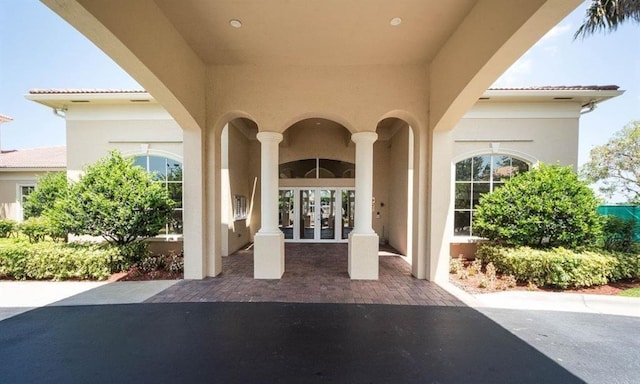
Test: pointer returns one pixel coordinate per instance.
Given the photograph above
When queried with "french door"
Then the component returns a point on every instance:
(316, 214)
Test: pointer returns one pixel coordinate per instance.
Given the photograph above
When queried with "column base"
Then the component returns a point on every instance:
(268, 255)
(363, 256)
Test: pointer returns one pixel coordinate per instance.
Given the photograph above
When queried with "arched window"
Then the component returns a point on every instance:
(476, 176)
(169, 173)
(317, 169)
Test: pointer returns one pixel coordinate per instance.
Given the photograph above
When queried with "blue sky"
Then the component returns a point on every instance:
(40, 50)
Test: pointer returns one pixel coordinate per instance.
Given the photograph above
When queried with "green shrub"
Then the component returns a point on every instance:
(35, 228)
(627, 266)
(7, 228)
(133, 253)
(13, 261)
(545, 207)
(618, 233)
(557, 267)
(38, 228)
(116, 200)
(55, 261)
(50, 187)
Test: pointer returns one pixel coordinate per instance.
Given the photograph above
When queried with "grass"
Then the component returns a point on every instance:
(631, 292)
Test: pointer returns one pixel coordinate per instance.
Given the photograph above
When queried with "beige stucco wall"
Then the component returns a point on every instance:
(381, 187)
(10, 206)
(93, 131)
(398, 190)
(237, 232)
(276, 97)
(535, 132)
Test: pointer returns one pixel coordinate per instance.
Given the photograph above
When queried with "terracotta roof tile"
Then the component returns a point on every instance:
(562, 88)
(82, 91)
(51, 157)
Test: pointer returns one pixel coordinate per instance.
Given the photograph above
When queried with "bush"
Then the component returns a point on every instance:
(38, 228)
(35, 228)
(115, 200)
(545, 207)
(50, 188)
(618, 233)
(13, 261)
(556, 267)
(55, 261)
(627, 266)
(132, 253)
(7, 227)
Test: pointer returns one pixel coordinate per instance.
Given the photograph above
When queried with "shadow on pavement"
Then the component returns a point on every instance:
(266, 343)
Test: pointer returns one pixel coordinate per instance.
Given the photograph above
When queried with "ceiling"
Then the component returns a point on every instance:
(315, 32)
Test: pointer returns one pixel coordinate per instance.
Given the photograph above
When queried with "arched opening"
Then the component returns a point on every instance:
(393, 184)
(239, 186)
(316, 182)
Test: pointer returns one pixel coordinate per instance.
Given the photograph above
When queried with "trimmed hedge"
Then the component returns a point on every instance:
(559, 267)
(55, 261)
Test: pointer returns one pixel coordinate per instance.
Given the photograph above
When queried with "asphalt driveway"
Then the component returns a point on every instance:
(267, 343)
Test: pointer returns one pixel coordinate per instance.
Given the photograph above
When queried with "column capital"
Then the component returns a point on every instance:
(364, 137)
(265, 137)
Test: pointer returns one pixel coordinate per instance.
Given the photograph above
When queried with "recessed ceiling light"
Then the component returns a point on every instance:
(235, 23)
(395, 21)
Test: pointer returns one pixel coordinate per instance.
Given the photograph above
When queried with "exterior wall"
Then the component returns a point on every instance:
(381, 189)
(93, 131)
(357, 97)
(398, 190)
(534, 132)
(236, 232)
(10, 206)
(546, 132)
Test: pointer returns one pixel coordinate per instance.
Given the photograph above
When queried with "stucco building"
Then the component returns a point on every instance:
(318, 161)
(19, 170)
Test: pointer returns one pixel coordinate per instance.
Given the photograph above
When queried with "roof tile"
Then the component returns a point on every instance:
(50, 157)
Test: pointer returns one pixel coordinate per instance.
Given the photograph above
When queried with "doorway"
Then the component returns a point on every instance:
(316, 214)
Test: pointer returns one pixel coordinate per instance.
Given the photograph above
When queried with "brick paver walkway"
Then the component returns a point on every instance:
(314, 273)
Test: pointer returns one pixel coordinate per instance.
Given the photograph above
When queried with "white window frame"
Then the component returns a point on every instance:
(491, 183)
(20, 197)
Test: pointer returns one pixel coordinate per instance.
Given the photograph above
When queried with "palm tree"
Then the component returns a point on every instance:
(607, 15)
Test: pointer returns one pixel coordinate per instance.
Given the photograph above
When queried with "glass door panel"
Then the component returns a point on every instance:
(348, 212)
(307, 214)
(286, 215)
(327, 206)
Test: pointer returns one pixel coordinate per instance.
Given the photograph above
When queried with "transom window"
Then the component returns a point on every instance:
(168, 172)
(317, 169)
(476, 176)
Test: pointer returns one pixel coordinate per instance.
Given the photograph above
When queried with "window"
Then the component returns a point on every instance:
(476, 176)
(23, 192)
(317, 169)
(169, 173)
(239, 207)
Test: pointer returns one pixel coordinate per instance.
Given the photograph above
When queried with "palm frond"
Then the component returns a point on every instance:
(607, 15)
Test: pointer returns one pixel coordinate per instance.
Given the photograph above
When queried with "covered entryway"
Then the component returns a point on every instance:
(423, 61)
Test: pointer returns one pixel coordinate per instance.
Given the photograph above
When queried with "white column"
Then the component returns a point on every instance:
(363, 241)
(268, 253)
